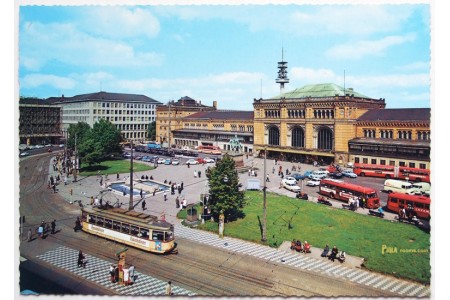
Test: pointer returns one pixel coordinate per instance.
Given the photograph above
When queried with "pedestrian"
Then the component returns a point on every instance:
(52, 180)
(131, 270)
(30, 234)
(101, 181)
(96, 202)
(273, 170)
(77, 224)
(53, 226)
(199, 174)
(154, 192)
(117, 176)
(101, 202)
(54, 188)
(65, 180)
(165, 195)
(182, 186)
(143, 204)
(126, 276)
(267, 178)
(112, 273)
(92, 200)
(172, 189)
(81, 260)
(179, 190)
(140, 193)
(275, 162)
(146, 177)
(177, 202)
(169, 289)
(189, 165)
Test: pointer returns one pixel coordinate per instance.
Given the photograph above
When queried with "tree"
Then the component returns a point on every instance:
(80, 131)
(151, 133)
(90, 152)
(224, 192)
(107, 136)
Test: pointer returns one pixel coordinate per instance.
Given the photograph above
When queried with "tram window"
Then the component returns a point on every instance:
(169, 235)
(393, 200)
(427, 206)
(116, 225)
(108, 223)
(157, 235)
(419, 205)
(134, 230)
(144, 233)
(409, 203)
(100, 221)
(125, 228)
(91, 219)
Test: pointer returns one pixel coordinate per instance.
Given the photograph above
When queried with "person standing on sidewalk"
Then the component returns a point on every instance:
(169, 289)
(143, 204)
(53, 226)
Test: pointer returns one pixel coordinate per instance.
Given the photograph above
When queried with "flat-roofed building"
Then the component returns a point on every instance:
(39, 122)
(130, 113)
(216, 128)
(396, 137)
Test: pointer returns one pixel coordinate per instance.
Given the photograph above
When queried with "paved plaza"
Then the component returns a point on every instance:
(88, 187)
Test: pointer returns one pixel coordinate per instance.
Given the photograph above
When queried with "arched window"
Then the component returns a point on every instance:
(274, 136)
(325, 139)
(298, 137)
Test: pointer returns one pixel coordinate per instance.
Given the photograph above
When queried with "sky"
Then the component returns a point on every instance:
(225, 53)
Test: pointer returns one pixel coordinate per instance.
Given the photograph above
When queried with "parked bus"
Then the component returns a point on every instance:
(209, 149)
(420, 204)
(393, 185)
(131, 228)
(341, 190)
(388, 172)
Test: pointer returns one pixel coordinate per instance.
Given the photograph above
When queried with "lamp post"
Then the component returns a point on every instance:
(130, 203)
(264, 233)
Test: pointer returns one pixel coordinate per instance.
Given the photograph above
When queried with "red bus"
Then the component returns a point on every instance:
(384, 171)
(209, 149)
(341, 190)
(420, 204)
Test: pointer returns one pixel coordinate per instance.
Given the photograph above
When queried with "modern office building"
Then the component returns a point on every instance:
(131, 113)
(39, 122)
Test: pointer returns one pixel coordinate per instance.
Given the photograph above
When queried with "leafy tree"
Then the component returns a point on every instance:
(107, 137)
(90, 152)
(151, 133)
(224, 191)
(80, 131)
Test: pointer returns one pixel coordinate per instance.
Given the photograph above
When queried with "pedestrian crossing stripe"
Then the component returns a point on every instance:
(97, 271)
(364, 279)
(389, 285)
(406, 289)
(397, 287)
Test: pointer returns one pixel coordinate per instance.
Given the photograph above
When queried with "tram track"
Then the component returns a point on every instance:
(201, 269)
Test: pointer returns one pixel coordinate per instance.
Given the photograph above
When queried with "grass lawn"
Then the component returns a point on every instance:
(358, 235)
(113, 167)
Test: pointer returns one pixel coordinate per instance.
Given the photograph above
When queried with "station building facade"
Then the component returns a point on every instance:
(130, 113)
(312, 123)
(169, 117)
(396, 137)
(216, 128)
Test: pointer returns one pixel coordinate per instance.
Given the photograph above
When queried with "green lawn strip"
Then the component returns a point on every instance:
(358, 235)
(113, 167)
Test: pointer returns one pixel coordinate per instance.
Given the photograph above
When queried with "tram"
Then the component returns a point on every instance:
(131, 228)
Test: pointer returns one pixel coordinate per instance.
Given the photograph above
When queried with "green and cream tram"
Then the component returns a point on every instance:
(132, 228)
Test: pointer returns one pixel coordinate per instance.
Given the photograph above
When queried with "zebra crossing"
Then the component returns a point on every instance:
(296, 260)
(97, 271)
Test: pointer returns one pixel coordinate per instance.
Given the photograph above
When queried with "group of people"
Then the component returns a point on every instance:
(197, 174)
(335, 254)
(129, 276)
(299, 247)
(407, 213)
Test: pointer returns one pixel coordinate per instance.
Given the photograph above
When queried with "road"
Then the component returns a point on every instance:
(198, 268)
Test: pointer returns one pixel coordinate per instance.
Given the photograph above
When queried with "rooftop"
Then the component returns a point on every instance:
(323, 90)
(397, 114)
(222, 115)
(105, 96)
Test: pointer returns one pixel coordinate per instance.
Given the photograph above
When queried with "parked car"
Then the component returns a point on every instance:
(335, 175)
(201, 160)
(161, 160)
(290, 179)
(61, 145)
(24, 153)
(126, 155)
(175, 162)
(313, 182)
(191, 161)
(299, 176)
(209, 160)
(167, 161)
(349, 173)
(289, 185)
(318, 174)
(146, 158)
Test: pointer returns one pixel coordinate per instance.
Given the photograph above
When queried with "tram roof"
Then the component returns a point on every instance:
(322, 90)
(130, 216)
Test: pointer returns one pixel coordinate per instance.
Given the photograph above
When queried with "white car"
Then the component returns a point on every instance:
(349, 173)
(209, 160)
(289, 185)
(313, 182)
(175, 162)
(318, 174)
(161, 160)
(290, 179)
(191, 162)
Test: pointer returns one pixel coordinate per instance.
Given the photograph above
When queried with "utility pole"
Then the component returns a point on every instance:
(75, 163)
(264, 237)
(170, 118)
(130, 204)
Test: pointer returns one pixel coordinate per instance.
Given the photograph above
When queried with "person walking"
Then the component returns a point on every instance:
(131, 270)
(30, 234)
(117, 176)
(267, 178)
(112, 273)
(169, 289)
(182, 186)
(53, 226)
(143, 204)
(141, 194)
(165, 195)
(81, 260)
(77, 224)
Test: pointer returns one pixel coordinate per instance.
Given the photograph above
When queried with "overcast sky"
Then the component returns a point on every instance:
(225, 53)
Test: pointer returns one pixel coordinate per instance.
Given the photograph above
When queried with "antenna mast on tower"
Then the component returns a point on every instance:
(282, 72)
